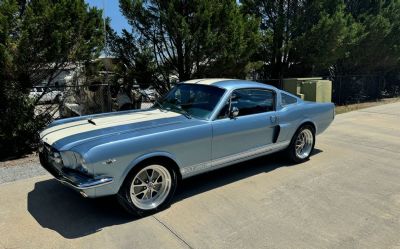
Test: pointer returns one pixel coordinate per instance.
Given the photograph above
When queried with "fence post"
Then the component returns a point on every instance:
(109, 100)
(340, 90)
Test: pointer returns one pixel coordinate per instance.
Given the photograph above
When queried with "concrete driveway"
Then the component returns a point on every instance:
(346, 196)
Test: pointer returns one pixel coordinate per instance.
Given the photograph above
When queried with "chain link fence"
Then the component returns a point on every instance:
(70, 101)
(350, 89)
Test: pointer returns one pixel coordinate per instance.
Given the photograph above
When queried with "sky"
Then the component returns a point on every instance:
(118, 21)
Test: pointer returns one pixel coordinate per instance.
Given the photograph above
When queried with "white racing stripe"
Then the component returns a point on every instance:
(205, 81)
(62, 126)
(58, 132)
(113, 118)
(192, 81)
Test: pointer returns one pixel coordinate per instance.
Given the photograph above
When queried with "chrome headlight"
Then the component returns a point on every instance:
(81, 164)
(74, 161)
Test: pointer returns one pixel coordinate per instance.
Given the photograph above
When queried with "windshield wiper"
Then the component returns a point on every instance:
(183, 111)
(155, 100)
(159, 105)
(178, 107)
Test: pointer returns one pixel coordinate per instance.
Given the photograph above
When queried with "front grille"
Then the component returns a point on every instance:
(47, 159)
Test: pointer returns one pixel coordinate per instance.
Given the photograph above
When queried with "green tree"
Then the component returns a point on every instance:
(54, 34)
(8, 22)
(136, 60)
(302, 37)
(322, 43)
(200, 38)
(378, 50)
(38, 38)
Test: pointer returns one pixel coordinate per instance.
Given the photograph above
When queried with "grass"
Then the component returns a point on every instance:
(354, 107)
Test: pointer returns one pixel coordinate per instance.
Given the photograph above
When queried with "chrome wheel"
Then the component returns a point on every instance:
(150, 187)
(304, 143)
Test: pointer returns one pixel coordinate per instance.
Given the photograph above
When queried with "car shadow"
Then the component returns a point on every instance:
(63, 210)
(56, 207)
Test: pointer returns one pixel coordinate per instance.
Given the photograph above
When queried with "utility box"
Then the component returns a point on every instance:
(310, 89)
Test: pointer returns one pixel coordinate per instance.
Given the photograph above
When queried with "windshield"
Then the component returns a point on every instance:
(198, 101)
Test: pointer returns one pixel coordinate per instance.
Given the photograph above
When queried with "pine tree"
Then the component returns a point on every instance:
(38, 38)
(189, 39)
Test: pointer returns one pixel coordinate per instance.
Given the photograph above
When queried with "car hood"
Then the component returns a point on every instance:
(65, 135)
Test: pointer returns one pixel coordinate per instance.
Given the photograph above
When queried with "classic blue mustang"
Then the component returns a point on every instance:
(200, 125)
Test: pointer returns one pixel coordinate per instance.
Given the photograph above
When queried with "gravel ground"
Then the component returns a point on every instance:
(20, 169)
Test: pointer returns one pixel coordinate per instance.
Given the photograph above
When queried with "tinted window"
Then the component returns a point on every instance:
(287, 99)
(250, 101)
(197, 100)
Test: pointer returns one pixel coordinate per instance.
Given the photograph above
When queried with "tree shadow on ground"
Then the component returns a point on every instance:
(63, 210)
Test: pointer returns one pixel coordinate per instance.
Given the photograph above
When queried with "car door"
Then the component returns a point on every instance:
(248, 134)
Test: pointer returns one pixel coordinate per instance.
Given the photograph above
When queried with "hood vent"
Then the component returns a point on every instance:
(91, 121)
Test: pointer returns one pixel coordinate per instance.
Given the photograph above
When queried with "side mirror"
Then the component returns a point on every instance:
(234, 112)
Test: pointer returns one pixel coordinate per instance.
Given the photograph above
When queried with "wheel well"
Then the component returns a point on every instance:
(162, 160)
(310, 124)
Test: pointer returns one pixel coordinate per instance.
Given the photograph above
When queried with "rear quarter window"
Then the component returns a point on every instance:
(287, 99)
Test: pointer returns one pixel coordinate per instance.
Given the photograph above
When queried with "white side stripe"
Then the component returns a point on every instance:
(225, 161)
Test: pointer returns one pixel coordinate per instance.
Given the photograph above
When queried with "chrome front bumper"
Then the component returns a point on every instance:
(89, 183)
(84, 184)
(86, 187)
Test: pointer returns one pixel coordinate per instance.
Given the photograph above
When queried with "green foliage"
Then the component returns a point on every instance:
(37, 39)
(201, 38)
(311, 37)
(136, 62)
(326, 41)
(18, 126)
(55, 33)
(303, 37)
(8, 21)
(378, 50)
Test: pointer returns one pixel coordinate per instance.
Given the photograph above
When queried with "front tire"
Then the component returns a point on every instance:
(302, 144)
(149, 188)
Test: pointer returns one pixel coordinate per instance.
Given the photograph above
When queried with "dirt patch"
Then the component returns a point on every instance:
(27, 159)
(354, 107)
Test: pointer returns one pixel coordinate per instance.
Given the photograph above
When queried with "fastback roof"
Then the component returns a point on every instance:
(229, 83)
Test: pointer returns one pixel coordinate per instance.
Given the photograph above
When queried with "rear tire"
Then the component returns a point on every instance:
(148, 189)
(302, 144)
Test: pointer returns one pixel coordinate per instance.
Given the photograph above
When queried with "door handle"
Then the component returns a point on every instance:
(274, 119)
